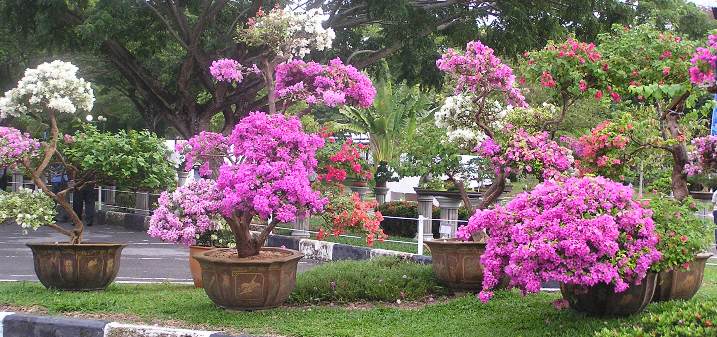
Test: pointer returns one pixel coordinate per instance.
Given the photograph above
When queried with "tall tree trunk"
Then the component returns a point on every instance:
(679, 159)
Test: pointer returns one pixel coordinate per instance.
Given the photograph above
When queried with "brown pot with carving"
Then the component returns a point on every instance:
(194, 266)
(681, 283)
(457, 264)
(259, 282)
(602, 300)
(80, 267)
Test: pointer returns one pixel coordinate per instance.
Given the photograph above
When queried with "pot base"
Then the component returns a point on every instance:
(249, 284)
(80, 267)
(601, 300)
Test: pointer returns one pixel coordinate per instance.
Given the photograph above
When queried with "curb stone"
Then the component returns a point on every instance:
(22, 325)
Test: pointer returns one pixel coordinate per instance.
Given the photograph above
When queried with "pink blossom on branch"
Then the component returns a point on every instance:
(703, 62)
(479, 71)
(582, 231)
(16, 146)
(703, 157)
(333, 85)
(206, 150)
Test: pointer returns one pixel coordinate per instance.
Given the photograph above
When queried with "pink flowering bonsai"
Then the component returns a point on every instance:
(579, 231)
(267, 162)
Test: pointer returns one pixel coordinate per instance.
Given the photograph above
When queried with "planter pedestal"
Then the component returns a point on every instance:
(601, 299)
(449, 214)
(681, 284)
(380, 193)
(425, 208)
(301, 226)
(361, 190)
(83, 267)
(251, 283)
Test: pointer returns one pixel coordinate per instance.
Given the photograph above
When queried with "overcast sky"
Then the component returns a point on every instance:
(709, 3)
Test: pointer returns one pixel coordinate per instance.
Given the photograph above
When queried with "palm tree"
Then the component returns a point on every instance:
(391, 119)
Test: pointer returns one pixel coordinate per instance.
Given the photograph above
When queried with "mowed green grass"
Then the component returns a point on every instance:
(507, 314)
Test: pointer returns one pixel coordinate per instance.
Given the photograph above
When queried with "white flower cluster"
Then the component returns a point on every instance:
(458, 116)
(51, 85)
(294, 33)
(30, 209)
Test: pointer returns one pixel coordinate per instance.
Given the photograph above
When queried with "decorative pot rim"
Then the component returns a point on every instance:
(703, 256)
(77, 245)
(205, 258)
(454, 242)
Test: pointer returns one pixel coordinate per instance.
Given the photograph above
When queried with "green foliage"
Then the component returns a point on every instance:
(126, 159)
(30, 209)
(687, 319)
(383, 279)
(390, 120)
(429, 153)
(682, 234)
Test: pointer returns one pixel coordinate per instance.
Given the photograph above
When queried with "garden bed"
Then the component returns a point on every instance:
(364, 303)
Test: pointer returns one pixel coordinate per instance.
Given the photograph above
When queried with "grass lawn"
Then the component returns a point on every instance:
(508, 314)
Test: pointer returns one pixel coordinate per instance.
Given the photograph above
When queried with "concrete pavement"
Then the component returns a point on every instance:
(144, 260)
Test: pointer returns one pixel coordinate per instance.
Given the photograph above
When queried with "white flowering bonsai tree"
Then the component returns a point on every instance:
(47, 92)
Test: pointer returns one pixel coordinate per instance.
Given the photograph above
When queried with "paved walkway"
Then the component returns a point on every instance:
(144, 260)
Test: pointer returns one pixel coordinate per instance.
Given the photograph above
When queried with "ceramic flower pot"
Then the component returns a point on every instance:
(681, 283)
(457, 264)
(194, 266)
(259, 282)
(601, 299)
(81, 267)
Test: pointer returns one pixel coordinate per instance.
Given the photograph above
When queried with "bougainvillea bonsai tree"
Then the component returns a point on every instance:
(651, 68)
(703, 156)
(47, 92)
(580, 231)
(485, 93)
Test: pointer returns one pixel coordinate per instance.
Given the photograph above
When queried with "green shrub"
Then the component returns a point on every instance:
(682, 233)
(382, 279)
(688, 319)
(409, 209)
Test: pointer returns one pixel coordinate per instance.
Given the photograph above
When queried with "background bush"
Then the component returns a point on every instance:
(384, 279)
(409, 209)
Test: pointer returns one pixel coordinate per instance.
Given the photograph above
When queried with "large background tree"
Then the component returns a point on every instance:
(155, 54)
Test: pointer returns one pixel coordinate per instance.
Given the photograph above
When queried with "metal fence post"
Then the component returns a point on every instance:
(99, 197)
(420, 236)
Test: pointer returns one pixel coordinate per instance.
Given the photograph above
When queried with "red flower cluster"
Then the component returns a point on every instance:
(360, 216)
(347, 163)
(601, 151)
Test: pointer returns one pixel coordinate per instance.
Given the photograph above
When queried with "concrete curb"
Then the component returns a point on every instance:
(22, 325)
(312, 249)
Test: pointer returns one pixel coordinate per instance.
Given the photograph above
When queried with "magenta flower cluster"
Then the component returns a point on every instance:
(206, 150)
(271, 179)
(332, 85)
(528, 154)
(229, 70)
(16, 146)
(581, 231)
(703, 61)
(479, 71)
(185, 213)
(703, 157)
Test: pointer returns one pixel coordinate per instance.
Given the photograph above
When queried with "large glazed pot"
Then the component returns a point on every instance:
(681, 284)
(194, 266)
(456, 263)
(260, 282)
(601, 299)
(83, 267)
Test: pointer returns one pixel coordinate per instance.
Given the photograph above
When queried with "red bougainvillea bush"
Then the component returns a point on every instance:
(581, 231)
(603, 151)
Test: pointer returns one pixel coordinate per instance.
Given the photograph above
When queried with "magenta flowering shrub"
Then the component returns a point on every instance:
(15, 146)
(206, 150)
(480, 72)
(185, 213)
(272, 178)
(703, 62)
(525, 153)
(581, 231)
(332, 85)
(229, 70)
(703, 157)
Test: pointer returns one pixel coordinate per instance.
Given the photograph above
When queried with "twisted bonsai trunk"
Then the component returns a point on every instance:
(247, 244)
